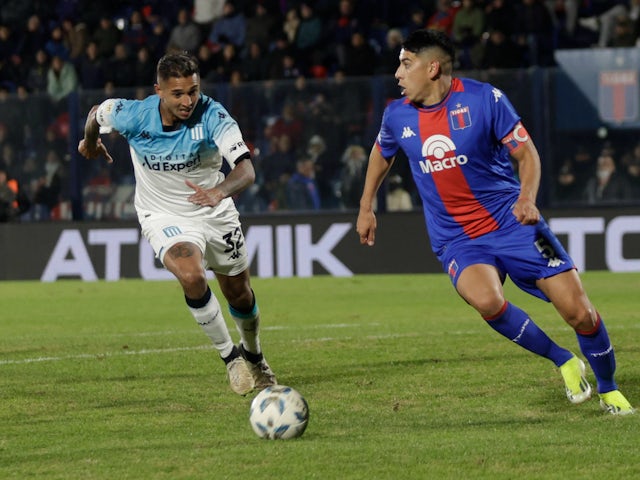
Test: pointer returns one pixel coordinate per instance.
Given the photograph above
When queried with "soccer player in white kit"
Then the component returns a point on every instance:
(178, 139)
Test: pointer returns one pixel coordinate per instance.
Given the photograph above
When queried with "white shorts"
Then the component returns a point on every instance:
(219, 238)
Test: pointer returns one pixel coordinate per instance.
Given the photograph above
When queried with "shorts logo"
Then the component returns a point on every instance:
(452, 269)
(171, 231)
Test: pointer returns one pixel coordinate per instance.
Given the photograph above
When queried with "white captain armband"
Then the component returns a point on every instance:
(518, 137)
(103, 114)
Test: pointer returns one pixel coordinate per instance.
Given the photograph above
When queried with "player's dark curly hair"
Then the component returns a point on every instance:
(423, 39)
(177, 65)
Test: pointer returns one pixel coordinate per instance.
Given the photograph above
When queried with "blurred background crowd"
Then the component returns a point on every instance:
(288, 72)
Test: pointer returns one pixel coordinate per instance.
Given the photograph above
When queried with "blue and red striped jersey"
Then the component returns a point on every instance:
(461, 168)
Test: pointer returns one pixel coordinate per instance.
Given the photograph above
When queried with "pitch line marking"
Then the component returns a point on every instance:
(99, 356)
(152, 351)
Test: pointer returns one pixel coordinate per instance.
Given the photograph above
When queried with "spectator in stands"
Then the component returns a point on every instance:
(442, 18)
(327, 170)
(416, 20)
(262, 27)
(121, 68)
(255, 65)
(279, 49)
(158, 36)
(33, 39)
(533, 25)
(49, 187)
(287, 123)
(280, 159)
(387, 61)
(309, 35)
(207, 61)
(8, 197)
(30, 124)
(107, 36)
(573, 175)
(11, 119)
(340, 29)
(227, 62)
(291, 24)
(398, 198)
(185, 35)
(607, 186)
(55, 45)
(228, 29)
(603, 20)
(468, 25)
(38, 72)
(145, 67)
(61, 81)
(91, 68)
(302, 189)
(7, 42)
(353, 174)
(567, 188)
(624, 33)
(631, 165)
(350, 100)
(499, 51)
(499, 15)
(300, 96)
(288, 68)
(205, 13)
(75, 37)
(136, 32)
(360, 58)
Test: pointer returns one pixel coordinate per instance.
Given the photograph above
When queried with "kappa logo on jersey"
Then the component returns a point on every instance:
(439, 153)
(460, 117)
(197, 132)
(497, 94)
(407, 132)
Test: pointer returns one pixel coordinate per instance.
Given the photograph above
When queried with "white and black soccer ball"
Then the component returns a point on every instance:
(279, 412)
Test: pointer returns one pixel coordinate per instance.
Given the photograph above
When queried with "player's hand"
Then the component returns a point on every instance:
(526, 212)
(202, 196)
(366, 227)
(93, 151)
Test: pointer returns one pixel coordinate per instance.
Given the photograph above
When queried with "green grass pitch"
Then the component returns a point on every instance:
(403, 379)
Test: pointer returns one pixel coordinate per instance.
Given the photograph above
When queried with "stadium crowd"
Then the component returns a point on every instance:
(308, 140)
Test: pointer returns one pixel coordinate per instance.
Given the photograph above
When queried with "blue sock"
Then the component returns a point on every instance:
(516, 325)
(597, 349)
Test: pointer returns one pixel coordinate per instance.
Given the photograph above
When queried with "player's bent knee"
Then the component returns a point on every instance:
(582, 319)
(193, 281)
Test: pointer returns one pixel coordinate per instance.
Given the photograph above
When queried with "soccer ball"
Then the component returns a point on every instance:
(279, 412)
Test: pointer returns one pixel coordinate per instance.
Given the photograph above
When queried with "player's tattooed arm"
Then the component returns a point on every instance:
(91, 146)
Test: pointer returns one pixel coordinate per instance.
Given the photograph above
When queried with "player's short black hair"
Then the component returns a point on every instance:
(423, 39)
(177, 65)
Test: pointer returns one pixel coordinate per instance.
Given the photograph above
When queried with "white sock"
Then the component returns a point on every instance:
(210, 318)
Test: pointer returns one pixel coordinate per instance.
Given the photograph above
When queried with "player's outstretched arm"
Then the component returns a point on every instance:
(377, 170)
(91, 146)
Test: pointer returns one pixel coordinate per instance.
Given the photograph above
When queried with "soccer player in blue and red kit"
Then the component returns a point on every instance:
(458, 135)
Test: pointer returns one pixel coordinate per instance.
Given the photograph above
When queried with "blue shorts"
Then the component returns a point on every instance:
(526, 253)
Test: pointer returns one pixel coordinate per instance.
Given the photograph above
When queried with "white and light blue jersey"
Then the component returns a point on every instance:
(163, 160)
